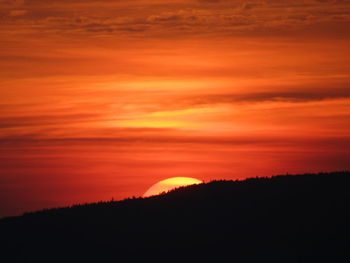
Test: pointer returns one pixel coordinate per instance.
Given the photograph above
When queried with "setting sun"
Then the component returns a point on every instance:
(169, 184)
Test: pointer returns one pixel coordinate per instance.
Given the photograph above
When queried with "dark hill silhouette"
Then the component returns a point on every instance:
(293, 218)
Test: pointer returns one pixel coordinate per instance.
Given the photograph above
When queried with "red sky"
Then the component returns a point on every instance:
(102, 99)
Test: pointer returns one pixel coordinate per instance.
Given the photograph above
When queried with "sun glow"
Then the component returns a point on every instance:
(195, 118)
(151, 124)
(169, 184)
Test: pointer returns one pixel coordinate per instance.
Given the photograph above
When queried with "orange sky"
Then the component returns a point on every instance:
(102, 99)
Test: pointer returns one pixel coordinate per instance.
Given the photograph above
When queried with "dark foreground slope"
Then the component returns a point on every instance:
(300, 218)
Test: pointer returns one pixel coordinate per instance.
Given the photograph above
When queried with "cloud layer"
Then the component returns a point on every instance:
(159, 18)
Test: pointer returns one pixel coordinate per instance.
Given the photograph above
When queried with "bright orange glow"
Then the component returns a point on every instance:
(169, 184)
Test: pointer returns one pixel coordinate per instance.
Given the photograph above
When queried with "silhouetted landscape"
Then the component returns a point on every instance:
(290, 218)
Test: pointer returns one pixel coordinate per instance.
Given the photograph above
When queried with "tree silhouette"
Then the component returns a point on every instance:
(289, 218)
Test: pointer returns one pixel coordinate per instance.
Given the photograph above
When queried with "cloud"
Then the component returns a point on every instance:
(210, 1)
(164, 137)
(164, 17)
(261, 97)
(197, 17)
(44, 120)
(17, 12)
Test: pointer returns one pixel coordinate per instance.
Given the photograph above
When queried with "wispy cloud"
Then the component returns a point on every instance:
(195, 17)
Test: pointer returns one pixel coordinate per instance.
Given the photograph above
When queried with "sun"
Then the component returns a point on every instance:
(169, 184)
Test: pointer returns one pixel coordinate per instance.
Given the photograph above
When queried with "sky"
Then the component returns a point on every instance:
(103, 99)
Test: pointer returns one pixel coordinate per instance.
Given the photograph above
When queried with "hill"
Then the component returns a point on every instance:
(292, 218)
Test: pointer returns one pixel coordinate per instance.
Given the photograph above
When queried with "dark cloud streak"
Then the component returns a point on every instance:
(196, 17)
